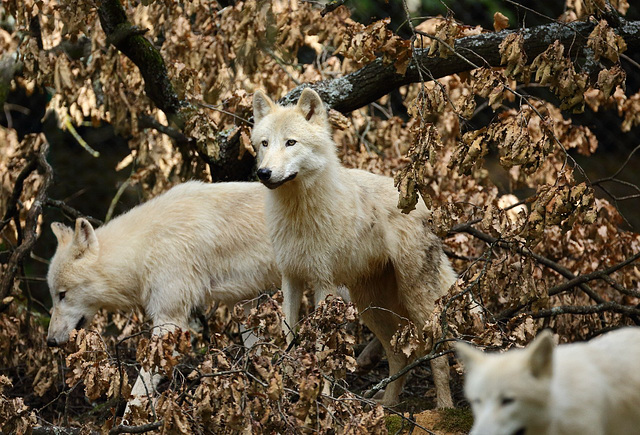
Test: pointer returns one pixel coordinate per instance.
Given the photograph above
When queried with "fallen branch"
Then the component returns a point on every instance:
(59, 430)
(585, 310)
(386, 381)
(136, 429)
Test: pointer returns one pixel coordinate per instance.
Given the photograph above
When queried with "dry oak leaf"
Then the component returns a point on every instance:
(500, 22)
(606, 43)
(609, 79)
(512, 54)
(446, 33)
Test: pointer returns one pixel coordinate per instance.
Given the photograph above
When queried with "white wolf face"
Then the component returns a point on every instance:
(72, 280)
(509, 392)
(291, 141)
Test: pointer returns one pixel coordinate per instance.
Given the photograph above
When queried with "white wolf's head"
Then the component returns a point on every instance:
(73, 280)
(509, 391)
(292, 141)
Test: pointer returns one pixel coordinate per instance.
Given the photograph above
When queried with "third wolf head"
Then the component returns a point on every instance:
(293, 142)
(509, 392)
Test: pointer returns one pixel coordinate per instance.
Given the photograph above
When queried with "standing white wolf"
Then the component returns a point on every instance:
(590, 388)
(334, 226)
(195, 244)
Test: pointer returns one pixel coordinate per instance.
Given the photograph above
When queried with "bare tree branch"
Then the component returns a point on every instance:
(31, 224)
(598, 274)
(71, 212)
(574, 281)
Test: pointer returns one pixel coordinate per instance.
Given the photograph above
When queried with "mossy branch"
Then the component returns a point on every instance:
(130, 41)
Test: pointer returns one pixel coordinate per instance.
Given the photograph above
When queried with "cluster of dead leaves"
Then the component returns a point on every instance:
(264, 388)
(363, 44)
(89, 362)
(15, 416)
(217, 57)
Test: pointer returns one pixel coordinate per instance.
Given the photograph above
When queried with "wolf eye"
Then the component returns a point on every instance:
(265, 143)
(291, 143)
(61, 295)
(506, 401)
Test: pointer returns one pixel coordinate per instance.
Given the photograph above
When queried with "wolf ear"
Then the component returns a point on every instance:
(63, 233)
(469, 355)
(84, 237)
(312, 107)
(262, 105)
(541, 355)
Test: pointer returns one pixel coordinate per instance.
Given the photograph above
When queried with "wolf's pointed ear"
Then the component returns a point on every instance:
(84, 237)
(63, 233)
(469, 355)
(541, 355)
(312, 107)
(262, 105)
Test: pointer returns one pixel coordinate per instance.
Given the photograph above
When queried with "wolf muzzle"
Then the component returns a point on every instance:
(264, 174)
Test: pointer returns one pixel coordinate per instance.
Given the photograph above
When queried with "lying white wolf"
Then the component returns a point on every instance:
(590, 388)
(195, 244)
(333, 226)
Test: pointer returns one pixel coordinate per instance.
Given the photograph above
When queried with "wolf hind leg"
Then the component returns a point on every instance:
(440, 373)
(384, 323)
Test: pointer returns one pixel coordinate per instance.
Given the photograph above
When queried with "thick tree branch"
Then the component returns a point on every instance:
(130, 41)
(12, 203)
(378, 79)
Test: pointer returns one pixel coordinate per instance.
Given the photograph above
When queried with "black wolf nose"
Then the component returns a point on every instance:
(264, 174)
(51, 342)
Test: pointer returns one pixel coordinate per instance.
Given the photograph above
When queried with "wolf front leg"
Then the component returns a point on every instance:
(322, 291)
(292, 289)
(147, 381)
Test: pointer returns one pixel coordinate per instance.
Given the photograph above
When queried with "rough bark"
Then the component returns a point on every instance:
(376, 79)
(130, 41)
(354, 90)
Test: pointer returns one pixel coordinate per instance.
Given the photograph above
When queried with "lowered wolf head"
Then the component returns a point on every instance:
(293, 142)
(72, 280)
(509, 391)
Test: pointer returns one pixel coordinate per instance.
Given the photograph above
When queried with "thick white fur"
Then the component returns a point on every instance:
(334, 226)
(195, 244)
(590, 388)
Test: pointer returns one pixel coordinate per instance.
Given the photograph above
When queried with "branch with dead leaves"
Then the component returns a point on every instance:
(377, 79)
(573, 281)
(39, 162)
